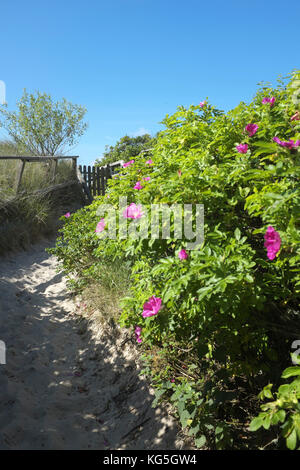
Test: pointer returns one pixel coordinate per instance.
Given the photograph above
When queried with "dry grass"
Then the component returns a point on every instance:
(101, 300)
(25, 218)
(36, 176)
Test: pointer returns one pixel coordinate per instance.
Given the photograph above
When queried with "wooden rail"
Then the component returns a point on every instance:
(47, 158)
(92, 179)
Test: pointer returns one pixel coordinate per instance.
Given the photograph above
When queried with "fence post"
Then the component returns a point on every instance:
(107, 174)
(54, 168)
(98, 180)
(74, 166)
(84, 185)
(102, 181)
(94, 181)
(90, 180)
(19, 176)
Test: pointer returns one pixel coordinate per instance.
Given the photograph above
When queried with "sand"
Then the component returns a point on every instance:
(68, 383)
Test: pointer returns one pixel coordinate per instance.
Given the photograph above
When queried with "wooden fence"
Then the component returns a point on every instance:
(95, 177)
(51, 160)
(92, 179)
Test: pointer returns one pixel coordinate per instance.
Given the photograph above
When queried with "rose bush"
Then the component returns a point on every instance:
(233, 302)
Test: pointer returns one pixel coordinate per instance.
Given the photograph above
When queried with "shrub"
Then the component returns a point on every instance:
(234, 301)
(284, 411)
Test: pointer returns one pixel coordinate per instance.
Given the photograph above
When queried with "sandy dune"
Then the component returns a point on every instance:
(66, 385)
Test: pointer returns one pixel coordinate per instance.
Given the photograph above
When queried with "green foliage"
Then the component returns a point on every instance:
(196, 402)
(41, 126)
(284, 410)
(127, 148)
(233, 306)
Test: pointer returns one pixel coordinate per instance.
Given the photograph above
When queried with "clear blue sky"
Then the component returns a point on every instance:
(130, 62)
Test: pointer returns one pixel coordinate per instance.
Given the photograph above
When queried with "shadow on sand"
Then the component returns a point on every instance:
(63, 386)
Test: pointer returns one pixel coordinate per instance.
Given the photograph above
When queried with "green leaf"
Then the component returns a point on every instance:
(200, 441)
(290, 372)
(194, 430)
(281, 414)
(256, 423)
(184, 418)
(267, 421)
(237, 234)
(291, 440)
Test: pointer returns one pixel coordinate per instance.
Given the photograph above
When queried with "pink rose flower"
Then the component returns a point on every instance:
(242, 148)
(149, 162)
(278, 141)
(138, 331)
(251, 129)
(296, 116)
(272, 242)
(133, 211)
(289, 144)
(151, 307)
(128, 163)
(147, 178)
(202, 104)
(138, 186)
(183, 254)
(67, 215)
(268, 100)
(100, 226)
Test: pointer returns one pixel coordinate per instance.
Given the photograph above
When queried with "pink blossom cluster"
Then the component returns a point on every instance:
(100, 226)
(268, 100)
(289, 144)
(138, 331)
(242, 148)
(251, 129)
(296, 116)
(138, 186)
(183, 254)
(128, 163)
(272, 242)
(133, 211)
(151, 307)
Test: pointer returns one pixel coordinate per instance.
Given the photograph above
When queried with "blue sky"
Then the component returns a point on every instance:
(131, 62)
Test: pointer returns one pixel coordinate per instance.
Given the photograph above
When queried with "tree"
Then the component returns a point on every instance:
(41, 126)
(126, 149)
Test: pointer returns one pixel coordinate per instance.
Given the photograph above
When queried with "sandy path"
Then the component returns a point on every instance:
(65, 385)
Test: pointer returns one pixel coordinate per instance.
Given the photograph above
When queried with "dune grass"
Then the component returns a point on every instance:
(25, 217)
(101, 298)
(36, 175)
